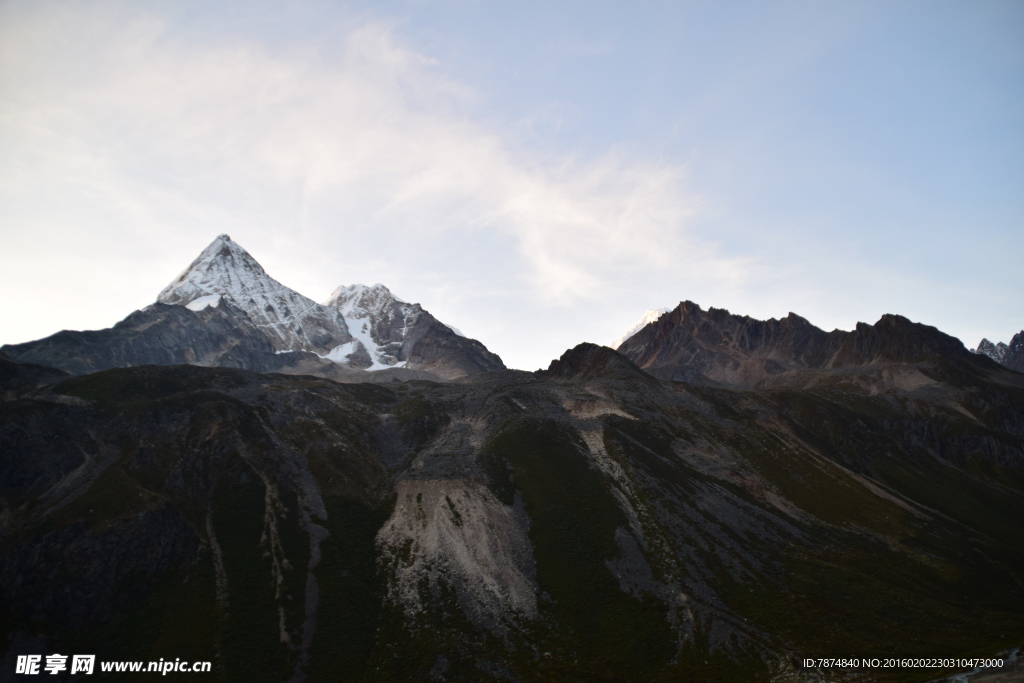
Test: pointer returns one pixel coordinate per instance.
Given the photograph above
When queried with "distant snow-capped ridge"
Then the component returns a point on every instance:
(996, 352)
(1010, 355)
(648, 318)
(363, 327)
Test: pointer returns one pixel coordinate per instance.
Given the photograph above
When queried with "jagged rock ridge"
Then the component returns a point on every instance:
(720, 348)
(1010, 355)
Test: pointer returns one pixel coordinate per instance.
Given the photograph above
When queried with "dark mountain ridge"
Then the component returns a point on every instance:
(719, 348)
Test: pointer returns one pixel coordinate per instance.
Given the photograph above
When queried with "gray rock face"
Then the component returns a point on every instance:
(1010, 355)
(719, 348)
(438, 349)
(159, 334)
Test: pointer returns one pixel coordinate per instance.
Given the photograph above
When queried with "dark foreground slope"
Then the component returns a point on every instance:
(586, 523)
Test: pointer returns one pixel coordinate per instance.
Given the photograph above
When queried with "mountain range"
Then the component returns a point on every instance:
(224, 477)
(224, 310)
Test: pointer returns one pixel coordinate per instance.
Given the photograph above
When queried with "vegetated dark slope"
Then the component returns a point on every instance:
(16, 377)
(721, 349)
(586, 523)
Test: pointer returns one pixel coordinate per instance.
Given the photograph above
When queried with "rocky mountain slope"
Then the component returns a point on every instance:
(399, 334)
(588, 522)
(224, 310)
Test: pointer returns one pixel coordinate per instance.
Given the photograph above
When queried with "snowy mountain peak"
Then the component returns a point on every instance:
(996, 352)
(221, 268)
(648, 318)
(1010, 355)
(291, 321)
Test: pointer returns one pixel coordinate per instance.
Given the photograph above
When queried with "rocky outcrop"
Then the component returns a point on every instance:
(590, 361)
(456, 535)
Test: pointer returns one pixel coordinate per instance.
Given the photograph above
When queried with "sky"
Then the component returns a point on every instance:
(537, 174)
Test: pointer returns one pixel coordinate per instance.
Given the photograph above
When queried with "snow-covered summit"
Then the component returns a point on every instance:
(362, 301)
(648, 318)
(291, 321)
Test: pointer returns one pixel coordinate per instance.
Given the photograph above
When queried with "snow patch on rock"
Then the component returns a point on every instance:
(378, 320)
(212, 300)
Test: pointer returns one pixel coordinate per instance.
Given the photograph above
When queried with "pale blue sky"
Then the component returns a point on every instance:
(534, 174)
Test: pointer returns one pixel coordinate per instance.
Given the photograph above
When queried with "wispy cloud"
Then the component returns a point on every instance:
(116, 128)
